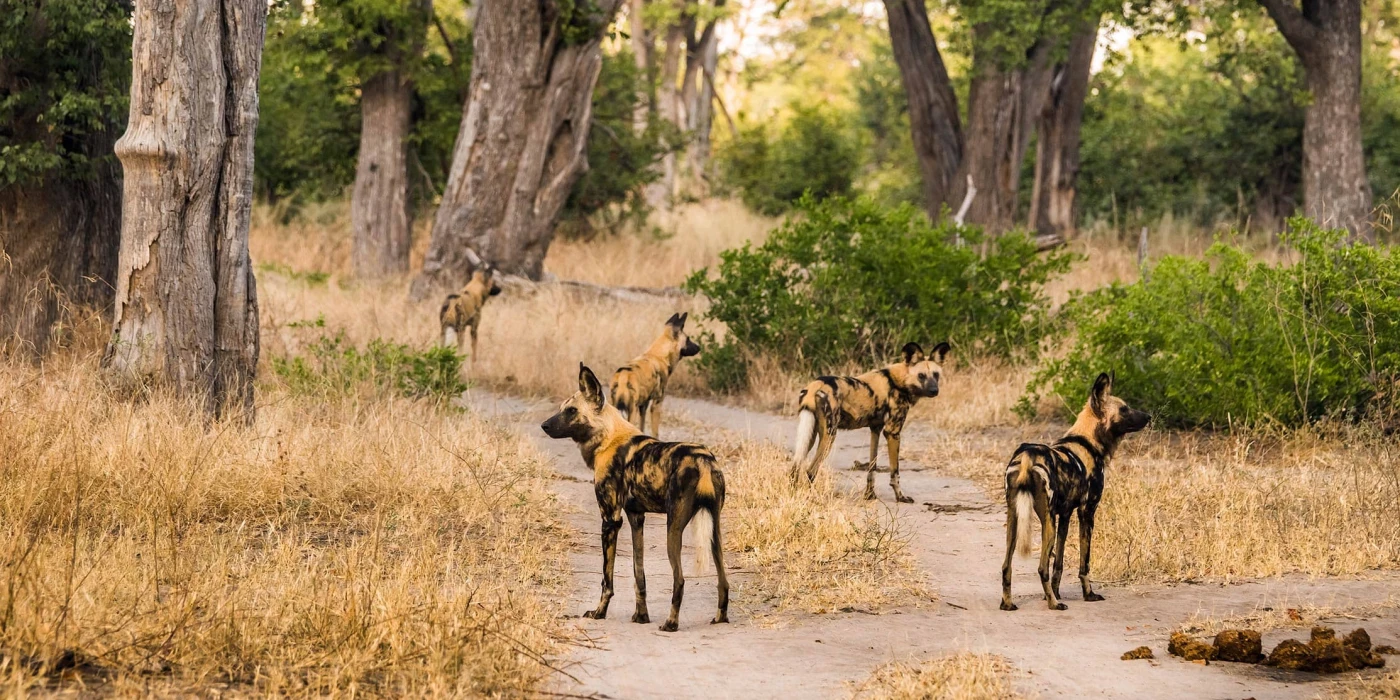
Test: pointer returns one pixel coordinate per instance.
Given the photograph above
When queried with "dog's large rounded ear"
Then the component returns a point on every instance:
(1102, 387)
(589, 385)
(940, 351)
(913, 353)
(684, 317)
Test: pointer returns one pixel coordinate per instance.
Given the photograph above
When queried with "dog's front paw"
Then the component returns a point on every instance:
(870, 494)
(1059, 606)
(669, 626)
(904, 499)
(641, 617)
(1008, 606)
(1092, 598)
(720, 619)
(595, 615)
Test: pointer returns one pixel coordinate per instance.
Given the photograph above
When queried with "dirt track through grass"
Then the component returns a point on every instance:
(956, 536)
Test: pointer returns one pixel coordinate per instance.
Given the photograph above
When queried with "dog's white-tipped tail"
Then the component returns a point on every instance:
(806, 427)
(1024, 506)
(702, 538)
(449, 337)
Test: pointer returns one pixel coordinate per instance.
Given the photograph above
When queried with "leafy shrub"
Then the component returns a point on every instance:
(332, 365)
(1226, 340)
(848, 281)
(815, 152)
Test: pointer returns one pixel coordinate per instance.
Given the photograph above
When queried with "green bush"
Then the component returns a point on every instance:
(331, 365)
(1225, 340)
(815, 152)
(847, 281)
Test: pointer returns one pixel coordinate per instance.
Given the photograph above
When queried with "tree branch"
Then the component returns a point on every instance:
(1301, 34)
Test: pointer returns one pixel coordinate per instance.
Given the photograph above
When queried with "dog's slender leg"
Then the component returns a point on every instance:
(1011, 528)
(637, 521)
(656, 419)
(870, 467)
(1061, 534)
(717, 553)
(610, 528)
(1086, 536)
(823, 449)
(1047, 544)
(676, 521)
(893, 439)
(641, 421)
(476, 323)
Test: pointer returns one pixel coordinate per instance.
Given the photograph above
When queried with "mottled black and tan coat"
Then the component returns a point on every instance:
(879, 400)
(462, 310)
(639, 386)
(634, 474)
(1060, 480)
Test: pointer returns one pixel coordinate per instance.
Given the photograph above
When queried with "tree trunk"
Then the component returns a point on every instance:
(702, 115)
(1053, 210)
(58, 251)
(379, 219)
(186, 303)
(933, 107)
(1326, 35)
(522, 144)
(668, 108)
(641, 54)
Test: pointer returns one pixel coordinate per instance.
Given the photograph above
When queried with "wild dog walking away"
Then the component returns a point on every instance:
(637, 474)
(462, 310)
(1057, 480)
(879, 400)
(640, 385)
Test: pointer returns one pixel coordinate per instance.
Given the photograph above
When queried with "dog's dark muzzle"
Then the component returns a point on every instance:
(691, 349)
(554, 427)
(1139, 420)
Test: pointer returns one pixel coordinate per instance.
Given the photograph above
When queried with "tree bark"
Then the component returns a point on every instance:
(669, 109)
(642, 44)
(697, 96)
(186, 303)
(1053, 208)
(379, 220)
(58, 251)
(522, 144)
(933, 107)
(1326, 36)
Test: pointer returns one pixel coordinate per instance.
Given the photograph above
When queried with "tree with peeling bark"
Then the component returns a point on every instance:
(523, 139)
(64, 79)
(1326, 36)
(1054, 208)
(378, 44)
(186, 314)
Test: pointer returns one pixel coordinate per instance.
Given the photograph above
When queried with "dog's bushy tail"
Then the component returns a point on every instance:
(1025, 502)
(806, 427)
(704, 525)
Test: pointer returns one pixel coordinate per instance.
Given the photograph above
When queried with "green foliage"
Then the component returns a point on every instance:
(333, 366)
(1225, 340)
(850, 282)
(621, 161)
(813, 153)
(65, 70)
(891, 167)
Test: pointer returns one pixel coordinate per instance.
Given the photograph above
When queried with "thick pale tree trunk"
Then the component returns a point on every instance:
(379, 219)
(702, 114)
(186, 305)
(933, 107)
(669, 108)
(522, 144)
(642, 44)
(58, 252)
(1326, 35)
(1053, 209)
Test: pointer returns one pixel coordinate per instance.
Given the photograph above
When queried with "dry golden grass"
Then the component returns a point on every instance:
(812, 548)
(1378, 687)
(331, 548)
(961, 676)
(1284, 615)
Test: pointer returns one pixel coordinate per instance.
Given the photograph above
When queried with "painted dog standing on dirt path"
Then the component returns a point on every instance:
(879, 400)
(637, 474)
(640, 385)
(1057, 480)
(462, 310)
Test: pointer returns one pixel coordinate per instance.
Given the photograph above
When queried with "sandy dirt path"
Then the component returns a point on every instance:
(958, 536)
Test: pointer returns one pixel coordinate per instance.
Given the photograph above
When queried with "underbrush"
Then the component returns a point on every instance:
(812, 548)
(335, 546)
(955, 677)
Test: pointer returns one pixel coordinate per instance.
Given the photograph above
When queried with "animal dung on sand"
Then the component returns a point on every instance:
(1323, 653)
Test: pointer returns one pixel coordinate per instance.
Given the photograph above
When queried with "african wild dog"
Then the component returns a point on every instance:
(1057, 480)
(462, 310)
(637, 474)
(878, 400)
(640, 385)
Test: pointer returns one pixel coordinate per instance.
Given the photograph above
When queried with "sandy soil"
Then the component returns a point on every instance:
(958, 540)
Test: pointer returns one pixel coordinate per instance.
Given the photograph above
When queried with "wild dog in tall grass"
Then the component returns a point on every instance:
(462, 310)
(1058, 480)
(639, 386)
(879, 400)
(637, 474)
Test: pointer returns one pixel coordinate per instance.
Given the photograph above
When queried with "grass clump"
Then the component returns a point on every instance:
(332, 365)
(961, 676)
